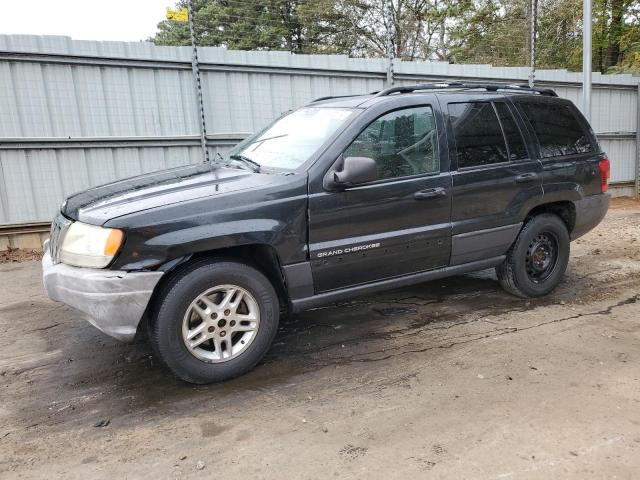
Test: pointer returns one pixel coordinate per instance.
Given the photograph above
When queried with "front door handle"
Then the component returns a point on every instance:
(430, 193)
(526, 177)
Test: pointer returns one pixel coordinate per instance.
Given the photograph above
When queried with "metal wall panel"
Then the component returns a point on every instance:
(34, 182)
(619, 152)
(115, 109)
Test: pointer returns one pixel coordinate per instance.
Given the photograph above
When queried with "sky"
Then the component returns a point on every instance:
(127, 20)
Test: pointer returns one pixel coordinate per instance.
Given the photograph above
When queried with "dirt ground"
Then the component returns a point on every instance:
(448, 379)
(16, 255)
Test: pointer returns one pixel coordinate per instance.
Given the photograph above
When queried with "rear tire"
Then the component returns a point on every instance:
(538, 259)
(214, 320)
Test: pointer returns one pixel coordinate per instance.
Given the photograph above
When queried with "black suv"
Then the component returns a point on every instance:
(344, 196)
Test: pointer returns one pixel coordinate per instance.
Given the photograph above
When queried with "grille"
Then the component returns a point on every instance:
(59, 227)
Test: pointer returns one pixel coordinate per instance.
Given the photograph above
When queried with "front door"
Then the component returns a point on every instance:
(393, 226)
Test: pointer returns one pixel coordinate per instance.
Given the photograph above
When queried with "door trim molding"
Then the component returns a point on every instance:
(422, 232)
(472, 246)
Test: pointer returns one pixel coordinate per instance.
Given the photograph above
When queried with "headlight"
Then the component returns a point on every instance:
(89, 245)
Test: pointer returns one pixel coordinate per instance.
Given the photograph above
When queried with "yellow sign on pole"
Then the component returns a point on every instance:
(181, 15)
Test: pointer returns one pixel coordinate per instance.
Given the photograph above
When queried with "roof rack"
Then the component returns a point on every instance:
(333, 96)
(490, 87)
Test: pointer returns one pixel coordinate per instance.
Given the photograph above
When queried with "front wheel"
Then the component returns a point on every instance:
(214, 320)
(538, 259)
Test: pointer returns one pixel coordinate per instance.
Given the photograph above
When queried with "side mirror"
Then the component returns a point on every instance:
(351, 171)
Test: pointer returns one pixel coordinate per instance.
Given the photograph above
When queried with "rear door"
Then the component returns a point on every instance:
(497, 178)
(398, 224)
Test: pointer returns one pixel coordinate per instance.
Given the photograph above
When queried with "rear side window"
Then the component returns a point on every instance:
(558, 130)
(479, 139)
(517, 150)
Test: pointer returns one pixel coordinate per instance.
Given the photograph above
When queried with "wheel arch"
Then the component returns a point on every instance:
(565, 209)
(260, 256)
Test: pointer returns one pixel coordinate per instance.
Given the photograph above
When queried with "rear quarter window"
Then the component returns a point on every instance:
(557, 128)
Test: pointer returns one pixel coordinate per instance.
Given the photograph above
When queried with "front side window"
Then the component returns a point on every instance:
(557, 128)
(403, 143)
(477, 133)
(291, 140)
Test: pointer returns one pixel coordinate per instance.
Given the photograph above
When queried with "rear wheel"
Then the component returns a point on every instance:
(538, 259)
(215, 320)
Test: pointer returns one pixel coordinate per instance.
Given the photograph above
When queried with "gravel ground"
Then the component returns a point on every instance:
(448, 379)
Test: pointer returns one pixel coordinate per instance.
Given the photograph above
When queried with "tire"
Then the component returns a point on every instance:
(193, 300)
(525, 272)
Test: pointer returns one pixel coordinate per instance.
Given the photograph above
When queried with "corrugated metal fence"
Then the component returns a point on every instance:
(74, 114)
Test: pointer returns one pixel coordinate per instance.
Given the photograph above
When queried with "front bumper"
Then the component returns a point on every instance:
(114, 301)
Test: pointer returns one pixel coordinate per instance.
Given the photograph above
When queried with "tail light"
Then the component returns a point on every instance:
(605, 173)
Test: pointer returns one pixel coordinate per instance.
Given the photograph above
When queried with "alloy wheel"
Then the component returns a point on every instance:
(220, 323)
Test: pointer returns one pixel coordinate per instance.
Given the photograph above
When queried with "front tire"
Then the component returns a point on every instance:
(214, 320)
(538, 259)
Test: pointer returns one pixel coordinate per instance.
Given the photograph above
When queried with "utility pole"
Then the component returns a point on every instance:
(638, 142)
(195, 67)
(390, 31)
(586, 58)
(532, 41)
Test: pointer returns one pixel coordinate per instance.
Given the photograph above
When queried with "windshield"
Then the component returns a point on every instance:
(291, 140)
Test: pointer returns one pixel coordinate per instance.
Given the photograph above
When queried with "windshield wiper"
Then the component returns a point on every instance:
(260, 140)
(253, 166)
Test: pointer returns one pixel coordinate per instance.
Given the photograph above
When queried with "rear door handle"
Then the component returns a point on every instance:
(430, 193)
(526, 177)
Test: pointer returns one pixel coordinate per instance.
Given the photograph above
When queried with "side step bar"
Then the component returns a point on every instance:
(332, 296)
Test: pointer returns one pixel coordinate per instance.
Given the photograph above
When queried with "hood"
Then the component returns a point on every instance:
(101, 204)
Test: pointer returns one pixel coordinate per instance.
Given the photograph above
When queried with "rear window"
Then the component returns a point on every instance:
(558, 130)
(479, 139)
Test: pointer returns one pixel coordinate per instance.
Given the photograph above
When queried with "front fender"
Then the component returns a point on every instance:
(144, 252)
(205, 238)
(276, 218)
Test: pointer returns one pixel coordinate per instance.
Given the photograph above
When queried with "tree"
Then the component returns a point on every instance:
(241, 25)
(616, 41)
(463, 31)
(630, 41)
(299, 26)
(560, 34)
(352, 27)
(491, 31)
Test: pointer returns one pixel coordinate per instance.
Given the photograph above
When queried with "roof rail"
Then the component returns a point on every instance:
(490, 87)
(334, 96)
